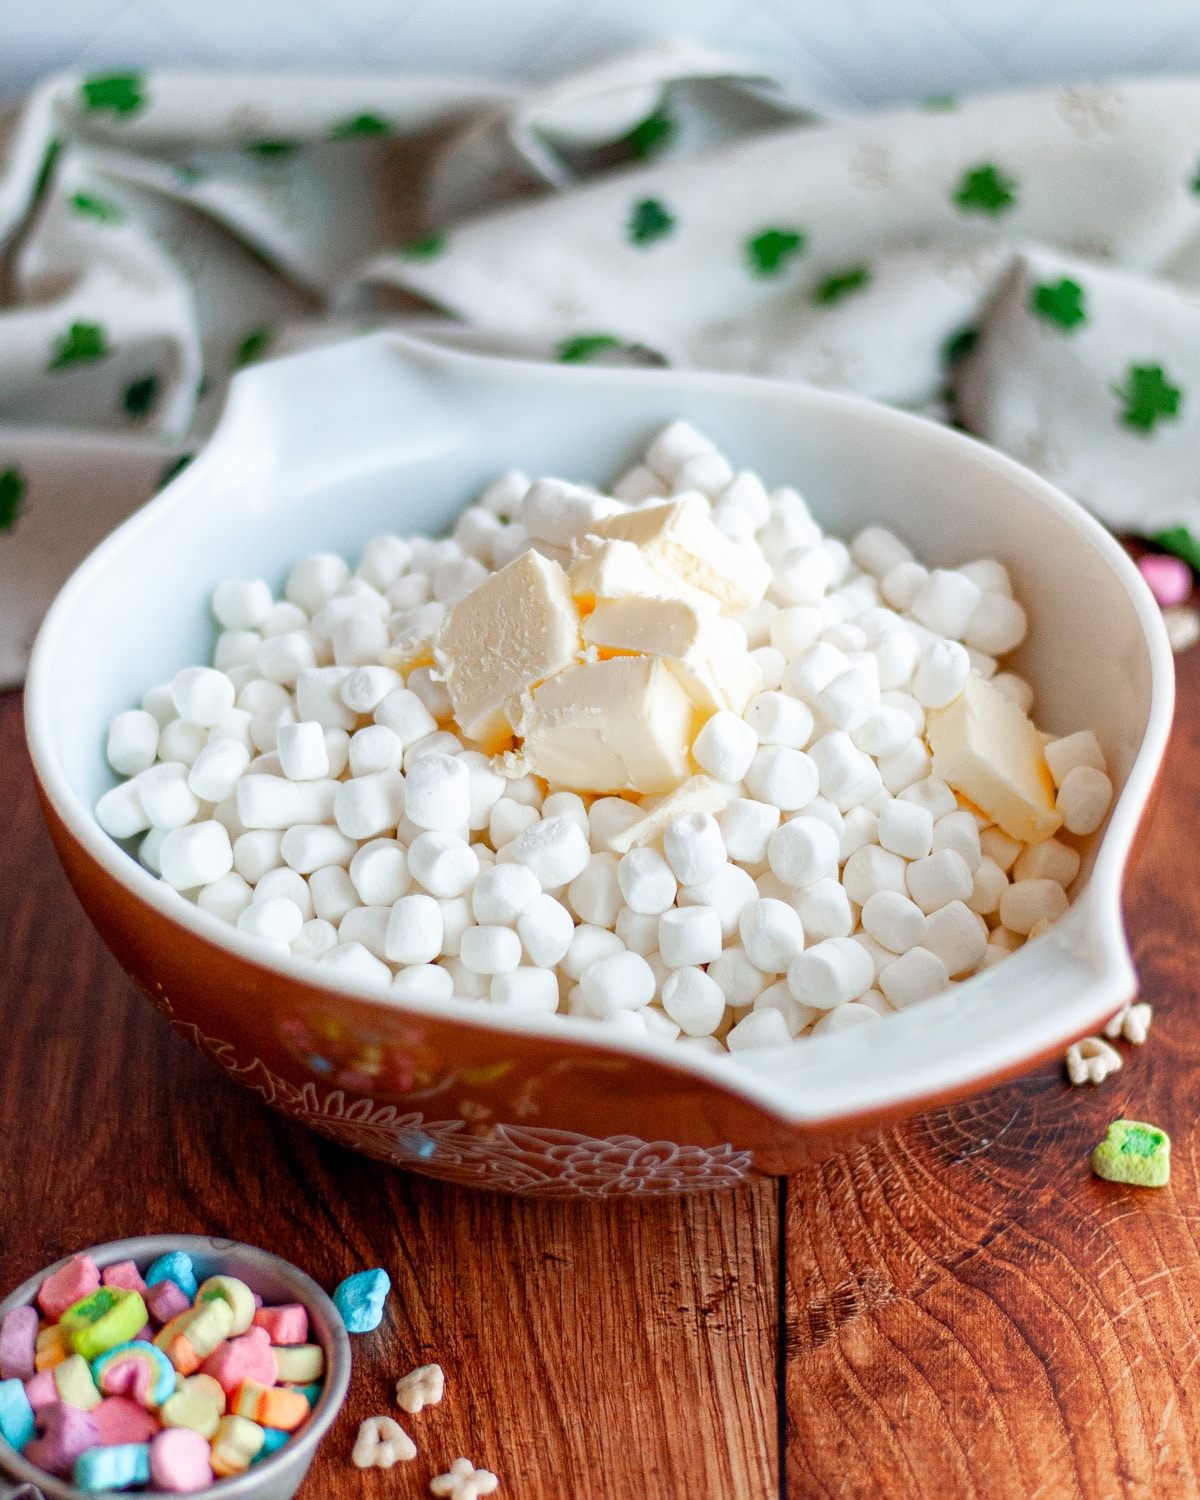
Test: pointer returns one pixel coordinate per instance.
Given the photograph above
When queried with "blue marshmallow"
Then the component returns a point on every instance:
(175, 1266)
(360, 1300)
(16, 1414)
(117, 1468)
(273, 1439)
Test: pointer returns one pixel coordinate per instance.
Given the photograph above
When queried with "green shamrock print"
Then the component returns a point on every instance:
(653, 135)
(176, 466)
(270, 148)
(938, 104)
(1149, 398)
(12, 492)
(958, 346)
(985, 190)
(1059, 302)
(118, 93)
(140, 396)
(358, 126)
(91, 206)
(843, 284)
(769, 252)
(1180, 541)
(80, 344)
(649, 220)
(252, 347)
(428, 248)
(585, 346)
(46, 170)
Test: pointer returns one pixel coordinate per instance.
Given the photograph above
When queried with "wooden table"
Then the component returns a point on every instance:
(960, 1311)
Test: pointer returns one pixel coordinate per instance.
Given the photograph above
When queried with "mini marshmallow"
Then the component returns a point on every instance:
(352, 961)
(693, 847)
(845, 775)
(120, 812)
(437, 792)
(860, 826)
(226, 898)
(785, 778)
(284, 882)
(182, 741)
(803, 851)
(526, 989)
(217, 770)
(423, 982)
(256, 852)
(779, 719)
(274, 802)
(241, 603)
(710, 473)
(333, 893)
(414, 930)
(746, 829)
(509, 819)
(1015, 689)
(309, 846)
(916, 975)
(894, 921)
(490, 950)
(637, 930)
(314, 580)
(283, 658)
(646, 881)
(872, 869)
(554, 849)
(202, 695)
(997, 625)
(1026, 902)
(166, 799)
(1082, 749)
(808, 675)
(898, 772)
(794, 630)
(194, 855)
(622, 981)
(132, 741)
(503, 894)
(277, 919)
(957, 936)
(595, 894)
(546, 930)
(672, 448)
(941, 673)
(316, 938)
(690, 936)
(1083, 799)
(845, 1018)
(694, 1002)
(1048, 860)
(379, 872)
(938, 879)
(853, 695)
(725, 746)
(302, 751)
(359, 639)
(367, 925)
(933, 795)
(772, 934)
(990, 883)
(906, 829)
(830, 973)
(283, 617)
(945, 603)
(319, 697)
(824, 910)
(959, 831)
(373, 749)
(896, 652)
(443, 863)
(368, 805)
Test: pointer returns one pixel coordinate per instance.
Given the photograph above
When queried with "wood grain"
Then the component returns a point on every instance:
(591, 1349)
(968, 1311)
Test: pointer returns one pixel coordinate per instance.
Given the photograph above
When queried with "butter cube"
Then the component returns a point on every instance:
(615, 569)
(984, 747)
(517, 628)
(678, 538)
(707, 654)
(607, 726)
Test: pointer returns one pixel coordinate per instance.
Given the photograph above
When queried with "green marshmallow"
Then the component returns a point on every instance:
(109, 1316)
(1134, 1152)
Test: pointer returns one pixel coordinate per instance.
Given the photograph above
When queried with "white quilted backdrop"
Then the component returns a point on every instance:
(841, 52)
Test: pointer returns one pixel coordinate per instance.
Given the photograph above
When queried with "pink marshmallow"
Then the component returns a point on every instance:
(286, 1325)
(78, 1278)
(41, 1390)
(166, 1300)
(146, 1336)
(246, 1358)
(1169, 578)
(18, 1344)
(120, 1420)
(66, 1433)
(179, 1462)
(124, 1274)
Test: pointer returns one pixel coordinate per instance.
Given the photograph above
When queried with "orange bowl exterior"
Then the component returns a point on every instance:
(514, 1113)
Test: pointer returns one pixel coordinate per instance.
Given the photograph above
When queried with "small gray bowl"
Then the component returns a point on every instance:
(275, 1280)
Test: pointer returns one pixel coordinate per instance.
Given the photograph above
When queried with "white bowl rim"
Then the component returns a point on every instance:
(837, 1078)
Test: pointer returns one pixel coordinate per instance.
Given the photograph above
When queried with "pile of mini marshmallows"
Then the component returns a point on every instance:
(129, 1380)
(325, 804)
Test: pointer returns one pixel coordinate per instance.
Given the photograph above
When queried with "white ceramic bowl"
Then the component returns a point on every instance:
(322, 450)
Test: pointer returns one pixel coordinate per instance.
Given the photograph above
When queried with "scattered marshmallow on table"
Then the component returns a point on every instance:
(805, 868)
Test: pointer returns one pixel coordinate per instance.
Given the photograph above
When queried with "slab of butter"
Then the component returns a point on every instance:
(984, 747)
(517, 628)
(607, 726)
(615, 570)
(677, 537)
(705, 652)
